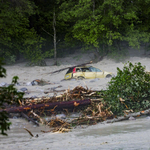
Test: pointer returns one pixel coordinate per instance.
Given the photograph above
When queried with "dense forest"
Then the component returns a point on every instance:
(39, 29)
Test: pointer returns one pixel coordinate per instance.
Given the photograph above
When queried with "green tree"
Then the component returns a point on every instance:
(50, 27)
(17, 36)
(34, 28)
(105, 24)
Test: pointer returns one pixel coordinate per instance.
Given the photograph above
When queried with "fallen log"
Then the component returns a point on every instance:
(69, 67)
(60, 105)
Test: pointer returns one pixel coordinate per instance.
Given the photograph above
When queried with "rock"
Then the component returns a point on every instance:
(75, 115)
(24, 90)
(34, 82)
(132, 118)
(40, 82)
(29, 84)
(61, 116)
(3, 84)
(17, 84)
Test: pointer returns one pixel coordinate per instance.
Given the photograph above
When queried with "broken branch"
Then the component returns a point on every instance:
(29, 119)
(69, 67)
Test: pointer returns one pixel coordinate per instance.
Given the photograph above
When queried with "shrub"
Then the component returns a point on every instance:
(8, 56)
(129, 90)
(8, 95)
(32, 50)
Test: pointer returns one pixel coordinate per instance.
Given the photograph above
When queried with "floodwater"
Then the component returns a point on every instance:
(125, 135)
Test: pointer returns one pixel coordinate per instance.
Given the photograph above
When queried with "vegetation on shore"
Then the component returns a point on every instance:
(129, 91)
(35, 29)
(8, 95)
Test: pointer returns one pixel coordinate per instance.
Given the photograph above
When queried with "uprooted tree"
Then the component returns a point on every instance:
(129, 91)
(8, 95)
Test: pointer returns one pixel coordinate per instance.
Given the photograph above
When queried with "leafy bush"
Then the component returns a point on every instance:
(129, 90)
(33, 50)
(8, 95)
(8, 56)
(10, 59)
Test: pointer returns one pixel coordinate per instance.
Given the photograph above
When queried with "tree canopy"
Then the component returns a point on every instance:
(37, 29)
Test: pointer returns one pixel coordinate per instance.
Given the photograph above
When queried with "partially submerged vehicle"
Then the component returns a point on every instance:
(86, 72)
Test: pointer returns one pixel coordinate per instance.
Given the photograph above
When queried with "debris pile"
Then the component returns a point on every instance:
(46, 110)
(79, 99)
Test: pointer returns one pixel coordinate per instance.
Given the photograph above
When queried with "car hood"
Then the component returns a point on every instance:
(105, 72)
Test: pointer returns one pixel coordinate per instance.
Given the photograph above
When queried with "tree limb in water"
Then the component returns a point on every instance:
(126, 117)
(28, 132)
(60, 105)
(57, 71)
(29, 119)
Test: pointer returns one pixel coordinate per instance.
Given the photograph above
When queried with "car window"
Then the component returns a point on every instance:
(85, 70)
(98, 70)
(70, 70)
(93, 69)
(78, 70)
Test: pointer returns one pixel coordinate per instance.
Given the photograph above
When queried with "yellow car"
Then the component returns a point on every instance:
(86, 72)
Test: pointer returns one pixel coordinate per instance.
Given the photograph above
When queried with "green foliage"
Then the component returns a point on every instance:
(130, 89)
(2, 70)
(8, 95)
(9, 58)
(89, 22)
(33, 51)
(103, 22)
(14, 27)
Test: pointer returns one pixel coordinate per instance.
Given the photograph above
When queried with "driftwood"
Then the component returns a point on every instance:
(126, 117)
(60, 105)
(28, 132)
(29, 119)
(95, 119)
(79, 96)
(69, 67)
(78, 92)
(37, 116)
(58, 126)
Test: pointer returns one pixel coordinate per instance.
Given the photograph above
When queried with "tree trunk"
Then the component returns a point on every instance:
(58, 105)
(54, 29)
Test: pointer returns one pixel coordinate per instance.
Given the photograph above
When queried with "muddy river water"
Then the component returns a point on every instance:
(125, 135)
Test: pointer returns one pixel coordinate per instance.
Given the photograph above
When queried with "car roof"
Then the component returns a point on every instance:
(83, 66)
